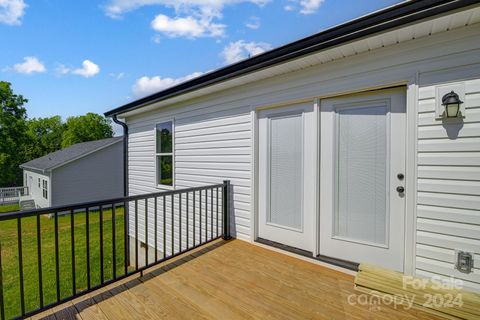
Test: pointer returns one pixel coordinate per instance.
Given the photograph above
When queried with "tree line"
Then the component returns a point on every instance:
(23, 139)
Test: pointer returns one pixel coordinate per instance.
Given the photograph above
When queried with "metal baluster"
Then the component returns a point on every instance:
(72, 240)
(200, 216)
(156, 229)
(211, 213)
(188, 223)
(173, 236)
(146, 232)
(57, 262)
(164, 229)
(20, 264)
(87, 218)
(114, 241)
(2, 305)
(102, 276)
(125, 238)
(194, 218)
(206, 215)
(39, 257)
(136, 234)
(180, 222)
(216, 235)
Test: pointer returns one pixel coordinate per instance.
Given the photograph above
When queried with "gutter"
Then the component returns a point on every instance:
(376, 22)
(125, 153)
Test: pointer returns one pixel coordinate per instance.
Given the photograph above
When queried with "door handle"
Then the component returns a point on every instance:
(400, 189)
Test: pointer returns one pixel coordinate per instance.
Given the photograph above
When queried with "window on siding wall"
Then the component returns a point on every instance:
(45, 189)
(39, 183)
(164, 153)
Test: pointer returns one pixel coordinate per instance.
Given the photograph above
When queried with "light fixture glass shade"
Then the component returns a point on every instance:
(451, 102)
(452, 110)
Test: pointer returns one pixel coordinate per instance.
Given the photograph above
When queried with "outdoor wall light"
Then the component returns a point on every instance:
(452, 103)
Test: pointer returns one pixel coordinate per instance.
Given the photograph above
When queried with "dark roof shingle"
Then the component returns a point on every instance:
(63, 156)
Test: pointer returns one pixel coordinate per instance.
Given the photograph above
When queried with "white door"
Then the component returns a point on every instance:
(362, 167)
(286, 183)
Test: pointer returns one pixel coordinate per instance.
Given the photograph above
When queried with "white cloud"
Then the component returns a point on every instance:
(239, 50)
(62, 70)
(148, 85)
(11, 11)
(253, 23)
(310, 6)
(88, 69)
(117, 76)
(116, 8)
(29, 66)
(305, 6)
(189, 27)
(194, 18)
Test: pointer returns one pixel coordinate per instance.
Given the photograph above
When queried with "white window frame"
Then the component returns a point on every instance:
(158, 185)
(45, 189)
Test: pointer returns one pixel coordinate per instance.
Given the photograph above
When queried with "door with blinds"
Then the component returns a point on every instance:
(362, 178)
(286, 179)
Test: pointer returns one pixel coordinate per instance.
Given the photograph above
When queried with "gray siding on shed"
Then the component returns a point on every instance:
(96, 176)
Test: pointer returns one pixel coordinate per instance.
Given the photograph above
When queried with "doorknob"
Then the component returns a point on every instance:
(400, 189)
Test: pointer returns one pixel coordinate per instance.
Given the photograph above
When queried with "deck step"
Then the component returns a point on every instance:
(27, 205)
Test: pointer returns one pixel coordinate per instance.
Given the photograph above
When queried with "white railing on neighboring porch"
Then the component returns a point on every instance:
(12, 194)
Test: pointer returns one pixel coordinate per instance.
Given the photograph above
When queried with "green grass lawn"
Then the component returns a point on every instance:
(10, 266)
(9, 207)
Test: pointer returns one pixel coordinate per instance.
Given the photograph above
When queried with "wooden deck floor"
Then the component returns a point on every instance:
(231, 280)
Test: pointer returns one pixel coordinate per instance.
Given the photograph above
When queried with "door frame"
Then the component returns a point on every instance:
(393, 100)
(305, 110)
(411, 88)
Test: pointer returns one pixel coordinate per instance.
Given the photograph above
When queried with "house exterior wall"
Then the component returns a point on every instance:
(448, 201)
(215, 139)
(97, 176)
(36, 191)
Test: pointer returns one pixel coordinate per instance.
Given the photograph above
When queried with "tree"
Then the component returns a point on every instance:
(44, 136)
(89, 127)
(13, 124)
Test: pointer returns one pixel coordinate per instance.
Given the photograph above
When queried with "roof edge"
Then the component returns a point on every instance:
(382, 20)
(50, 169)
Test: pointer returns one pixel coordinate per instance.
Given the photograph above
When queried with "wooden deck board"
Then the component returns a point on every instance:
(231, 280)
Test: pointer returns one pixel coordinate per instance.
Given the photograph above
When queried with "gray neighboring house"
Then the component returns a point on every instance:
(83, 172)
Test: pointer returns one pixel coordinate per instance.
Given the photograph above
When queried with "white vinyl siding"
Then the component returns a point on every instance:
(210, 147)
(448, 184)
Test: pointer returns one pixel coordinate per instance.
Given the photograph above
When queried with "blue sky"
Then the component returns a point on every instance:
(73, 57)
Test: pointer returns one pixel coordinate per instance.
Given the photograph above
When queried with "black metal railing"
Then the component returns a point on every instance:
(53, 255)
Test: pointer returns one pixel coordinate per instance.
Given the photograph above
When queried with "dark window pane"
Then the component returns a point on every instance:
(165, 170)
(164, 137)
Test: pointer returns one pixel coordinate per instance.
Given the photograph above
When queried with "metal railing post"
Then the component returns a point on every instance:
(226, 209)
